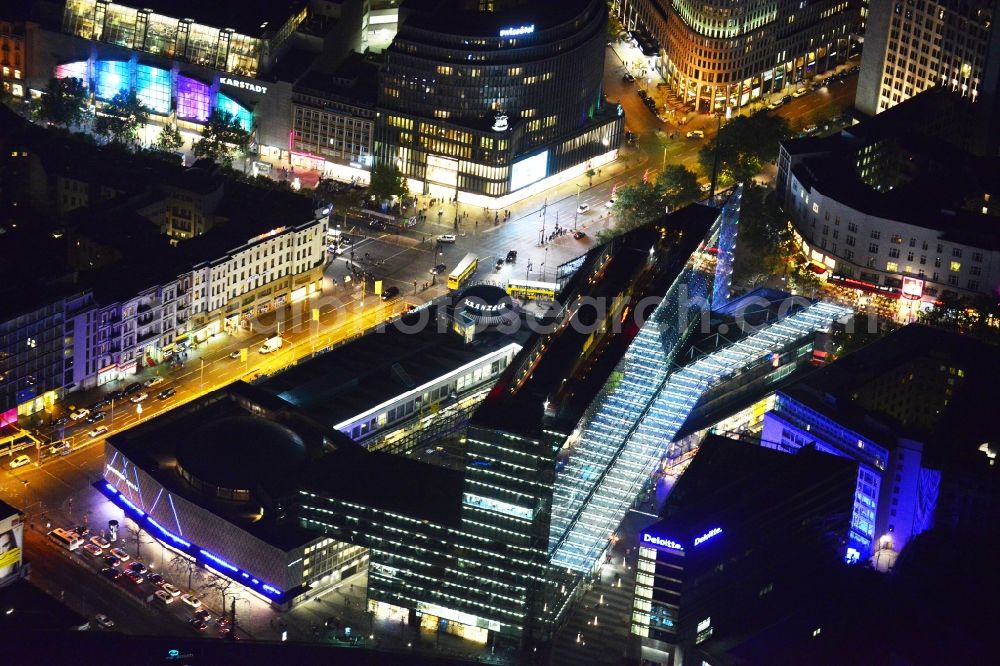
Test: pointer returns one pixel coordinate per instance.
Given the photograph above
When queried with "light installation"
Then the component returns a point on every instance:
(199, 554)
(636, 419)
(74, 70)
(152, 87)
(194, 99)
(236, 110)
(111, 77)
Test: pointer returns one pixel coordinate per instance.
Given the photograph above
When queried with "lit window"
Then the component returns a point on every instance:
(892, 267)
(956, 266)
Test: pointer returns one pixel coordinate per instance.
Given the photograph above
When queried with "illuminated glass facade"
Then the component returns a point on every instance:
(156, 88)
(181, 38)
(639, 414)
(461, 105)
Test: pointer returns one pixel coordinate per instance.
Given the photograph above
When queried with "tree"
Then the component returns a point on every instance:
(745, 143)
(63, 103)
(222, 138)
(679, 186)
(169, 140)
(120, 119)
(764, 244)
(637, 204)
(590, 177)
(387, 183)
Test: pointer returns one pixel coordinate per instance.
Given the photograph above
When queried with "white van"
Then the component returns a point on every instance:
(19, 461)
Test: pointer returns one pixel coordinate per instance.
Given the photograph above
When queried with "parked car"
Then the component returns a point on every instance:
(390, 293)
(92, 549)
(104, 621)
(78, 414)
(610, 203)
(628, 78)
(191, 600)
(120, 554)
(134, 577)
(100, 542)
(696, 134)
(110, 574)
(163, 597)
(579, 234)
(96, 416)
(97, 432)
(112, 561)
(499, 264)
(166, 393)
(642, 93)
(19, 461)
(810, 128)
(776, 104)
(437, 270)
(203, 615)
(800, 92)
(138, 567)
(446, 238)
(511, 256)
(139, 397)
(131, 388)
(583, 208)
(786, 99)
(197, 624)
(103, 402)
(170, 589)
(153, 381)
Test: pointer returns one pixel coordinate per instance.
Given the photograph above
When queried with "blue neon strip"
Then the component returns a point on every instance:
(201, 555)
(177, 520)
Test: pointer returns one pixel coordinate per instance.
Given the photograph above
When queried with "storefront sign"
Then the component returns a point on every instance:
(243, 85)
(518, 31)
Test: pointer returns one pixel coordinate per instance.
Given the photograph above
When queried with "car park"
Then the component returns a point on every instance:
(19, 461)
(154, 381)
(170, 589)
(511, 256)
(163, 597)
(104, 621)
(97, 432)
(139, 397)
(92, 549)
(583, 208)
(437, 270)
(446, 238)
(120, 554)
(696, 134)
(166, 393)
(100, 542)
(191, 600)
(110, 574)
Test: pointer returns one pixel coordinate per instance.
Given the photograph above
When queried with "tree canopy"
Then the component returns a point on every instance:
(120, 119)
(637, 204)
(387, 183)
(745, 144)
(765, 242)
(222, 138)
(63, 103)
(169, 140)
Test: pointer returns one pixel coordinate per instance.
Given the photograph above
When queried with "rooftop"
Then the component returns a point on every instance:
(354, 81)
(255, 18)
(464, 18)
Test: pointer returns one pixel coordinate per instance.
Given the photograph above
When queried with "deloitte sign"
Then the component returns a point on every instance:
(661, 542)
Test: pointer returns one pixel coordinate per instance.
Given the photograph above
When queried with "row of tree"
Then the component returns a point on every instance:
(66, 103)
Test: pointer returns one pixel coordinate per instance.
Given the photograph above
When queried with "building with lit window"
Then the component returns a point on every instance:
(13, 66)
(721, 54)
(745, 536)
(900, 205)
(913, 46)
(206, 480)
(497, 101)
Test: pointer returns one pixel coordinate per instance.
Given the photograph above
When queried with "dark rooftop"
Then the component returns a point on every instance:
(32, 280)
(354, 81)
(355, 377)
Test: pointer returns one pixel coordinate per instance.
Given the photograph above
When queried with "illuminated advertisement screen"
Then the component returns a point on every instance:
(913, 288)
(11, 544)
(112, 77)
(240, 113)
(152, 87)
(194, 99)
(74, 70)
(529, 170)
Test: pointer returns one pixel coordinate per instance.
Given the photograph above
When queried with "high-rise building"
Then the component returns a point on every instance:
(491, 102)
(722, 54)
(914, 45)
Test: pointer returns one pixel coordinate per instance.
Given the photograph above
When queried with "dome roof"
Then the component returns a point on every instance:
(238, 452)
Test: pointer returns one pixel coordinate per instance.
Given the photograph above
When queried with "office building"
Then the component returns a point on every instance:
(913, 46)
(900, 204)
(206, 479)
(13, 59)
(901, 408)
(744, 536)
(493, 102)
(718, 56)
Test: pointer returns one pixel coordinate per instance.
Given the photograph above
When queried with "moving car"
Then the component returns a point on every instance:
(100, 542)
(610, 203)
(104, 621)
(197, 624)
(583, 208)
(120, 554)
(166, 393)
(446, 238)
(92, 549)
(270, 345)
(810, 128)
(579, 235)
(59, 448)
(776, 104)
(235, 354)
(696, 134)
(390, 293)
(191, 600)
(97, 432)
(79, 414)
(19, 461)
(628, 78)
(139, 397)
(96, 416)
(170, 589)
(437, 270)
(499, 264)
(163, 597)
(511, 256)
(154, 381)
(131, 388)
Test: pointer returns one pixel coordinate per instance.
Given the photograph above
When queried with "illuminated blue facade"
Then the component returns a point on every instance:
(163, 91)
(726, 248)
(638, 414)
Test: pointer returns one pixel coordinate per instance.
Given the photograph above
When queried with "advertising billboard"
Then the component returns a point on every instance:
(11, 546)
(529, 170)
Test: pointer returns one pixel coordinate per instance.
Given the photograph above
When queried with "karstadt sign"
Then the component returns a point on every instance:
(243, 85)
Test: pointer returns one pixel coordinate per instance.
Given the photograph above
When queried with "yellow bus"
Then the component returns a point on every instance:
(530, 290)
(463, 271)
